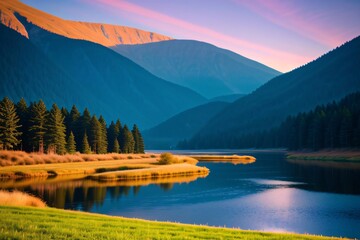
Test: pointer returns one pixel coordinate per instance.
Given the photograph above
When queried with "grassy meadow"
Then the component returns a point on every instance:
(50, 223)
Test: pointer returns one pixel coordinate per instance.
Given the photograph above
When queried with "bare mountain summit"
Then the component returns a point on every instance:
(105, 34)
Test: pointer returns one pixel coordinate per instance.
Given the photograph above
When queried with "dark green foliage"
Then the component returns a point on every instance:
(335, 125)
(116, 146)
(85, 147)
(38, 128)
(127, 142)
(9, 125)
(113, 134)
(95, 134)
(55, 134)
(71, 144)
(329, 78)
(23, 113)
(103, 143)
(138, 140)
(47, 130)
(74, 125)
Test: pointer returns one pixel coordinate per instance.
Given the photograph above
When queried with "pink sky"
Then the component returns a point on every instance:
(281, 34)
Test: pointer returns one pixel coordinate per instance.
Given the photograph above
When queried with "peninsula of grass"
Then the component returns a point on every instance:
(50, 223)
(138, 167)
(163, 171)
(327, 155)
(234, 159)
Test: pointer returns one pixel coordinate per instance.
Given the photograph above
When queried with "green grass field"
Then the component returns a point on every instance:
(50, 223)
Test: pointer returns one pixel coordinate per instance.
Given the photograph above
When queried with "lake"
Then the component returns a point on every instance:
(271, 194)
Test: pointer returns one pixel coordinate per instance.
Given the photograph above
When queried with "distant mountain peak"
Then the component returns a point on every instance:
(105, 34)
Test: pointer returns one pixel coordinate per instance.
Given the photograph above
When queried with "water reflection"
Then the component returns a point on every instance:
(271, 194)
(334, 177)
(80, 193)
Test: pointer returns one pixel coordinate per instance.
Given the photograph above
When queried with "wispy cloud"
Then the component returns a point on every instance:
(308, 24)
(275, 58)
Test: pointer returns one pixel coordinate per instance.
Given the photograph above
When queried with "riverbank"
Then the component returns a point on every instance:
(138, 167)
(50, 223)
(327, 155)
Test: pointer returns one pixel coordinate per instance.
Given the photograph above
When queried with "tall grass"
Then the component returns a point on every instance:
(19, 199)
(13, 158)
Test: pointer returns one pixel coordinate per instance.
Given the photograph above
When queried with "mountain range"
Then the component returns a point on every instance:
(202, 67)
(326, 79)
(67, 71)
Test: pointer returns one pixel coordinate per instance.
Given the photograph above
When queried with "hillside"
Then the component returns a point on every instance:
(68, 71)
(326, 79)
(202, 67)
(104, 34)
(179, 127)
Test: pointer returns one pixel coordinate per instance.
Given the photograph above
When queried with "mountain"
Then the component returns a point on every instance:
(179, 127)
(104, 34)
(67, 71)
(202, 67)
(227, 98)
(326, 79)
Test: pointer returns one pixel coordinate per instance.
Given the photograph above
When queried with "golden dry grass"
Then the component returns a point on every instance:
(74, 168)
(234, 159)
(13, 158)
(165, 171)
(19, 199)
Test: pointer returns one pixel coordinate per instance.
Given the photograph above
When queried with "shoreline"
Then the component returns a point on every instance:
(326, 155)
(125, 168)
(58, 223)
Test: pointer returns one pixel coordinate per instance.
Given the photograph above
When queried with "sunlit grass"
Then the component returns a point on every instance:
(49, 223)
(19, 199)
(166, 171)
(13, 158)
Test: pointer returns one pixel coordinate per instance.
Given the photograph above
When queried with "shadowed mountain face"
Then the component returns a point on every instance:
(68, 71)
(326, 79)
(181, 126)
(104, 34)
(209, 70)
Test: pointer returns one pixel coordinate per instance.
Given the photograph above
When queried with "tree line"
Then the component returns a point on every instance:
(35, 128)
(331, 126)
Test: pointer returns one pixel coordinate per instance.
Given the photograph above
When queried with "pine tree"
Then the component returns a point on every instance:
(139, 142)
(9, 124)
(95, 134)
(126, 140)
(85, 122)
(85, 147)
(56, 131)
(22, 111)
(70, 144)
(103, 143)
(116, 146)
(113, 134)
(74, 126)
(37, 128)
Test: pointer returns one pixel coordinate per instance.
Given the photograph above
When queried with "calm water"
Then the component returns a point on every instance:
(271, 194)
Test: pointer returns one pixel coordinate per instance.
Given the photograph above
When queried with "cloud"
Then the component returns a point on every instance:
(275, 58)
(308, 24)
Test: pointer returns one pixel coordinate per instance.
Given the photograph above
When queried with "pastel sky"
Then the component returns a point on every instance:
(281, 34)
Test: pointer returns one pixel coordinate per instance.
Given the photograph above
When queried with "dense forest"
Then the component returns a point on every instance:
(335, 125)
(34, 128)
